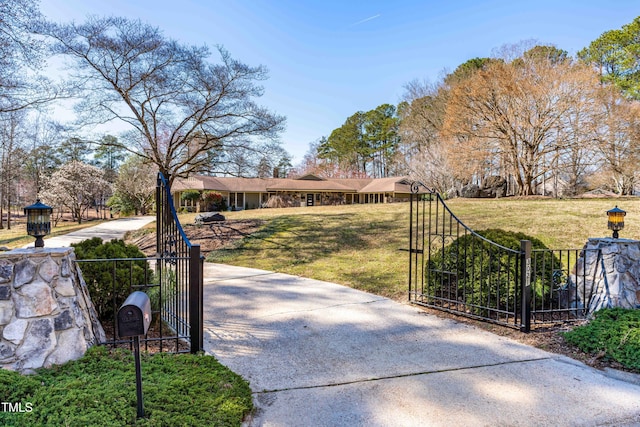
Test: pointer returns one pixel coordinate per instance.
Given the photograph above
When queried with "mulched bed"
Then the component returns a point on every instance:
(151, 346)
(210, 237)
(545, 338)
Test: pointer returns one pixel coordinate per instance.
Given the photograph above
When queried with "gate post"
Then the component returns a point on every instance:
(195, 299)
(525, 285)
(411, 198)
(159, 210)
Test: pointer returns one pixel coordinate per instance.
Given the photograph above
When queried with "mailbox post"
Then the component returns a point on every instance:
(134, 318)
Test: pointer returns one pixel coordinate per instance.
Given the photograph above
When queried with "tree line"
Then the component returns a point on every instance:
(531, 115)
(540, 120)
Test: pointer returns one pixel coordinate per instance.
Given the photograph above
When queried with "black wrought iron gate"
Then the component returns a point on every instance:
(452, 268)
(455, 269)
(180, 269)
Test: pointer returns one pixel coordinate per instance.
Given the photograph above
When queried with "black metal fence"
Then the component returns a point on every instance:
(455, 269)
(173, 280)
(560, 284)
(123, 276)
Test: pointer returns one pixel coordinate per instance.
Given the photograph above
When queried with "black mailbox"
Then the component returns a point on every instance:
(134, 316)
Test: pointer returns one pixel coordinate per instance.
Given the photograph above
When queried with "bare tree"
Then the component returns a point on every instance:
(180, 105)
(422, 114)
(21, 56)
(618, 140)
(509, 113)
(576, 156)
(135, 186)
(42, 161)
(12, 156)
(311, 163)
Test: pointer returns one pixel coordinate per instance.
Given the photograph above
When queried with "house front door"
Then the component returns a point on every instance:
(310, 199)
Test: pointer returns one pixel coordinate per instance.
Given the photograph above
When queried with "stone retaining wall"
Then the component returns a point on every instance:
(46, 315)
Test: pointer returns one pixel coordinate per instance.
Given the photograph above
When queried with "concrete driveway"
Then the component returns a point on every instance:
(320, 354)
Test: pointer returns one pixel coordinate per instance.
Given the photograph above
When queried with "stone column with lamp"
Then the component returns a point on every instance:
(46, 314)
(607, 274)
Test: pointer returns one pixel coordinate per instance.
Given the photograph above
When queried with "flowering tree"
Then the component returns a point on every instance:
(75, 186)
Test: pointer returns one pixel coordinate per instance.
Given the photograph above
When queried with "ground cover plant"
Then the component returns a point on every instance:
(612, 334)
(100, 390)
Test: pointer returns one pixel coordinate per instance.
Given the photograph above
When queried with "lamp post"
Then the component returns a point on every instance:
(616, 220)
(38, 221)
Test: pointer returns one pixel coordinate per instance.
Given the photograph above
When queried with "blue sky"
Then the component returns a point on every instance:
(328, 59)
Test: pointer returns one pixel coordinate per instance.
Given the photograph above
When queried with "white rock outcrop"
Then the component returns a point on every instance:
(46, 315)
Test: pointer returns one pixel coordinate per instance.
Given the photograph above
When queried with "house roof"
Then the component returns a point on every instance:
(388, 185)
(304, 183)
(310, 185)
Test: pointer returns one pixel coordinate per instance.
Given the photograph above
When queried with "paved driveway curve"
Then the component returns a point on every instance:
(320, 354)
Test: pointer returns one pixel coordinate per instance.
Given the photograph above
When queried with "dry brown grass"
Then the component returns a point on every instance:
(559, 223)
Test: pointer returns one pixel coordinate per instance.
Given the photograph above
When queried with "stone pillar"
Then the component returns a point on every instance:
(606, 275)
(46, 315)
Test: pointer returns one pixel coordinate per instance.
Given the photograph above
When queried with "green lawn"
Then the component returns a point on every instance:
(359, 245)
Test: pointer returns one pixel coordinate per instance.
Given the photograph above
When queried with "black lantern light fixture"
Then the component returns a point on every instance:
(616, 220)
(38, 221)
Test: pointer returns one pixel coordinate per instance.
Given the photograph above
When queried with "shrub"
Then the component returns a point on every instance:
(191, 195)
(106, 295)
(478, 273)
(280, 201)
(214, 201)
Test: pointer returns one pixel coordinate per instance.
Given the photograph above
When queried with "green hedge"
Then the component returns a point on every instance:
(106, 295)
(479, 273)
